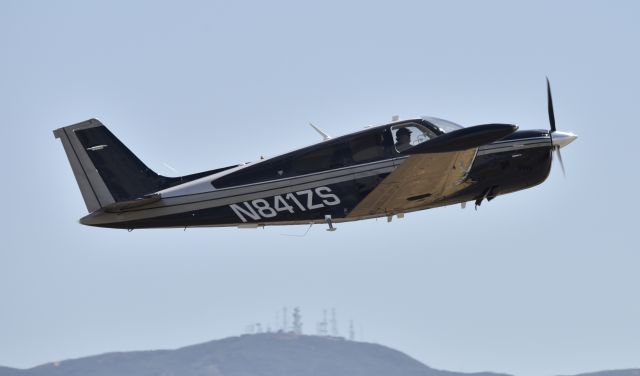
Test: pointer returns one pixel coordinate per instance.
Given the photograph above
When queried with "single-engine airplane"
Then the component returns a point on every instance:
(381, 171)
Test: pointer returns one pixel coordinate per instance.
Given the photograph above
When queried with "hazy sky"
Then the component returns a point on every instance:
(539, 282)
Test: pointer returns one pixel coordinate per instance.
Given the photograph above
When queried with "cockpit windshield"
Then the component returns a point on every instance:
(445, 125)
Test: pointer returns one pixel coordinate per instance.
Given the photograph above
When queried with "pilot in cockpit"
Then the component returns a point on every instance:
(403, 139)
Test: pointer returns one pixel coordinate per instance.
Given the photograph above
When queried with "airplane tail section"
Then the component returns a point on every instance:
(105, 169)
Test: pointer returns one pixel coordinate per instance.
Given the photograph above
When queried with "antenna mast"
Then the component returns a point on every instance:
(334, 323)
(285, 325)
(297, 321)
(323, 325)
(325, 136)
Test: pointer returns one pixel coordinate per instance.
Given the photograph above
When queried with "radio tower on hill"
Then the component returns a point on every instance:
(334, 323)
(322, 325)
(285, 325)
(297, 321)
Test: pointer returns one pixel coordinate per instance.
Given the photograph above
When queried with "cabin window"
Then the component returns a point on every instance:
(369, 147)
(408, 135)
(324, 158)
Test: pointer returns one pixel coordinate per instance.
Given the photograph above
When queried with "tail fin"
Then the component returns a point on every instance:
(105, 169)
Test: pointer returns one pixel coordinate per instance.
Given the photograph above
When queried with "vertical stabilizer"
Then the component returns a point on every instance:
(105, 169)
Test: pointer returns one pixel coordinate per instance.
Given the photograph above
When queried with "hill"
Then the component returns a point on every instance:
(249, 355)
(619, 372)
(6, 371)
(275, 354)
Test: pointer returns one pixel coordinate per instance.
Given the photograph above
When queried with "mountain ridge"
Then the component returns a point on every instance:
(616, 372)
(266, 354)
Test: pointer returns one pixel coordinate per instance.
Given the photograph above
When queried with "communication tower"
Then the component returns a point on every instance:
(285, 325)
(334, 323)
(297, 321)
(323, 325)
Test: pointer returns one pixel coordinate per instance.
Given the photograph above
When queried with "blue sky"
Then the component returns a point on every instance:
(540, 282)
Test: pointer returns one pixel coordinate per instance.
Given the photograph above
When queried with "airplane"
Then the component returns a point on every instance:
(381, 171)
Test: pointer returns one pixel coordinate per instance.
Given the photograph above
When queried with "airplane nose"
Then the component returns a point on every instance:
(561, 139)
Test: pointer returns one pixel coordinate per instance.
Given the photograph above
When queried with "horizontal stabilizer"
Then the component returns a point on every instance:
(463, 139)
(124, 205)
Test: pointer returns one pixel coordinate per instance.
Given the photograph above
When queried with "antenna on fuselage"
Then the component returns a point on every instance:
(325, 136)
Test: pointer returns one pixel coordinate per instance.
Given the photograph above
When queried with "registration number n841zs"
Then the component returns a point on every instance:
(309, 199)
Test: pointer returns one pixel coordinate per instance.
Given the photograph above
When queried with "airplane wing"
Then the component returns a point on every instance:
(434, 170)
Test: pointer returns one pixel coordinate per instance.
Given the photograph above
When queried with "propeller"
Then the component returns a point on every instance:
(559, 139)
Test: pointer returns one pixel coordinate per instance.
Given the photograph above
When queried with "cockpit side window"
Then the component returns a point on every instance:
(409, 135)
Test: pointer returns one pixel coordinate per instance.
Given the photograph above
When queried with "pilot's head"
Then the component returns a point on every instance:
(403, 136)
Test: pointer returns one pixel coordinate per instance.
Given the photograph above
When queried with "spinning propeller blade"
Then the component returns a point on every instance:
(552, 118)
(560, 160)
(558, 138)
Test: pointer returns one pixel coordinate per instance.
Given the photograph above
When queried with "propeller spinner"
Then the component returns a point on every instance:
(559, 139)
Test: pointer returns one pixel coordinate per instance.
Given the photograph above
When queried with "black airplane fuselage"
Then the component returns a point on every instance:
(338, 179)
